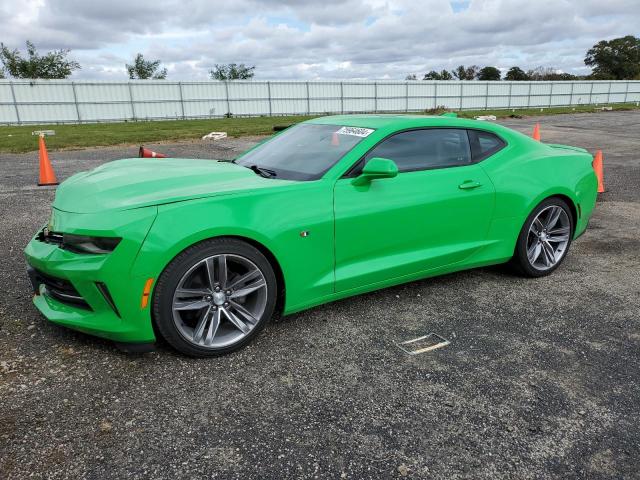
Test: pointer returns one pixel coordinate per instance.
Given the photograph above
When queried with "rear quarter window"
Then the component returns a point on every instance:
(484, 144)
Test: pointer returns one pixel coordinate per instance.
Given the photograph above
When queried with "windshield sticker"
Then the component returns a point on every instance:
(355, 131)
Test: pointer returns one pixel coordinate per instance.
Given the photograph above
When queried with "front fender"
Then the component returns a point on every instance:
(168, 239)
(274, 221)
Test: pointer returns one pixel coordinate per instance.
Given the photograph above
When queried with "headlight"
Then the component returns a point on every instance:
(84, 244)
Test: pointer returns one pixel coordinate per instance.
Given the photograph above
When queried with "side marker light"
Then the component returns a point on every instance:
(145, 293)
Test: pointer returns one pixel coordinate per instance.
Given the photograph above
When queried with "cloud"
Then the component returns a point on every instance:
(300, 39)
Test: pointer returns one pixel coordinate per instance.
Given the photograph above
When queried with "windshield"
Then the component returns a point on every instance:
(303, 152)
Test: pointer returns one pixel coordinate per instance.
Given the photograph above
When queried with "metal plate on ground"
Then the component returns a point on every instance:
(426, 343)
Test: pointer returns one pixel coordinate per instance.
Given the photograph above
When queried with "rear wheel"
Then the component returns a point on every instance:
(545, 238)
(215, 297)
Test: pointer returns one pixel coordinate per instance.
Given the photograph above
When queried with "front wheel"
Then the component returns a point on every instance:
(544, 239)
(214, 297)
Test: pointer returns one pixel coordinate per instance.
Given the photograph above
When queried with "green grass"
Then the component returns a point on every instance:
(18, 139)
(14, 139)
(529, 112)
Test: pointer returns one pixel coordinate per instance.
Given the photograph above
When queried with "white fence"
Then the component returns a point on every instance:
(64, 101)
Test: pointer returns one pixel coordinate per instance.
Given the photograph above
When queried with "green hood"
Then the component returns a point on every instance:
(140, 182)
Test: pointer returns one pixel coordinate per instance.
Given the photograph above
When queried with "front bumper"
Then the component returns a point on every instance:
(95, 294)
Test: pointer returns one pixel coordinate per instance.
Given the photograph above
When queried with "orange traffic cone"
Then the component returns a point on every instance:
(47, 177)
(598, 167)
(146, 153)
(334, 139)
(536, 132)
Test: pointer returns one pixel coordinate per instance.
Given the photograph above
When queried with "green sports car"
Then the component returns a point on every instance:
(203, 253)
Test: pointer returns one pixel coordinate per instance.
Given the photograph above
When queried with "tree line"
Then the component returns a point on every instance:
(56, 65)
(617, 59)
(493, 74)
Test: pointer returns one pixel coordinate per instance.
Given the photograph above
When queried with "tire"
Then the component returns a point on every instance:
(214, 297)
(543, 240)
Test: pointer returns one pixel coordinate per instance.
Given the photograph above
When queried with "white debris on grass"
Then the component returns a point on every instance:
(486, 117)
(215, 136)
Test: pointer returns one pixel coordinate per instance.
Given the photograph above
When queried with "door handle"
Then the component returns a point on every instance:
(469, 184)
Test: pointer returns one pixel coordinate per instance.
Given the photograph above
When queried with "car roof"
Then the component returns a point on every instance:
(399, 122)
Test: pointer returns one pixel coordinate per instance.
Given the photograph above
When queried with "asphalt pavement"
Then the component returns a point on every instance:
(540, 379)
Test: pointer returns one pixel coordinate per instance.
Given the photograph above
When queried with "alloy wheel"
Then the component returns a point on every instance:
(548, 237)
(219, 301)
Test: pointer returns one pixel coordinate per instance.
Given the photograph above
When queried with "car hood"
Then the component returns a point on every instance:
(140, 182)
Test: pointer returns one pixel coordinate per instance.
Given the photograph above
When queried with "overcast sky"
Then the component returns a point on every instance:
(318, 39)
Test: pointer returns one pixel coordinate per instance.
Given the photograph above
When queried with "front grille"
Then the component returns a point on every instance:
(60, 289)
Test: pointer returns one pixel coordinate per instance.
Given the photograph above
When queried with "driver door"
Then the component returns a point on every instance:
(435, 212)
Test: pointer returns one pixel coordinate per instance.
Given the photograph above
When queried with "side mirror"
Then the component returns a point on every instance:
(376, 168)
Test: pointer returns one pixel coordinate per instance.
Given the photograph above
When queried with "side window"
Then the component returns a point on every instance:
(484, 144)
(425, 149)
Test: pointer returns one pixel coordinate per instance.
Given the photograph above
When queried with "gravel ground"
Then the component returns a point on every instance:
(540, 379)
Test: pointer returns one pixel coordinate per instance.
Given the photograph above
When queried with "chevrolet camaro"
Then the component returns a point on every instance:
(203, 253)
